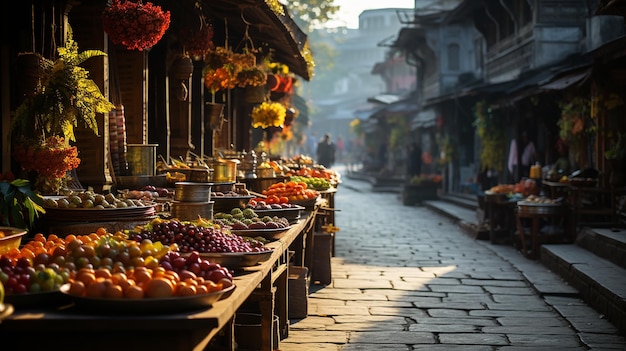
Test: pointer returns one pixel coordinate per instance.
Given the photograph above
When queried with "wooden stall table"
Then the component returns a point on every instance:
(326, 212)
(548, 224)
(500, 211)
(265, 283)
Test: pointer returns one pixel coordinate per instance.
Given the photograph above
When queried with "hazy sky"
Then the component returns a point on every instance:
(348, 14)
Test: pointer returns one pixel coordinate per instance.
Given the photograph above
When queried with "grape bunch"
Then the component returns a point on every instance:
(190, 237)
(195, 266)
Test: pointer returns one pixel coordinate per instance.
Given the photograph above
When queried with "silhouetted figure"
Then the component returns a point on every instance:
(326, 152)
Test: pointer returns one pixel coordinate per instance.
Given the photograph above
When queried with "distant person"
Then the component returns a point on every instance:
(326, 150)
(519, 165)
(562, 166)
(414, 162)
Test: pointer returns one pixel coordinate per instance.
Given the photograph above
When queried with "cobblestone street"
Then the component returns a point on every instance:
(407, 278)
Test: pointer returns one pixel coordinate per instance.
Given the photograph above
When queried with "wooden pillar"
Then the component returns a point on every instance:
(93, 149)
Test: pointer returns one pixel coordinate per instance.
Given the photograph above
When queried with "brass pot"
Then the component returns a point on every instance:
(224, 170)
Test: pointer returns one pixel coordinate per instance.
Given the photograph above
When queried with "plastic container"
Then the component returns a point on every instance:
(12, 238)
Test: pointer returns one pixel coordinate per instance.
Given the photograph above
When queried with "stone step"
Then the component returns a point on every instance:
(467, 201)
(601, 283)
(607, 243)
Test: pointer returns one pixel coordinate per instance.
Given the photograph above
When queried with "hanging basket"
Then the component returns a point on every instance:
(135, 25)
(214, 113)
(255, 94)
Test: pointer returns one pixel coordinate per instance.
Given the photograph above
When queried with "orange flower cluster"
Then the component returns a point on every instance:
(52, 159)
(136, 25)
(226, 69)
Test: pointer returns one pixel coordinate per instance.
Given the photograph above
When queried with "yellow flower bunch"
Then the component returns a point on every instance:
(268, 114)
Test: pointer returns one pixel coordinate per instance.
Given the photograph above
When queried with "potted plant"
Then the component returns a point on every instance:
(421, 188)
(64, 95)
(46, 119)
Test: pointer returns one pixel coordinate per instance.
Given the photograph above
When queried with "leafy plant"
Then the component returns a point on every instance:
(491, 133)
(19, 204)
(64, 95)
(618, 148)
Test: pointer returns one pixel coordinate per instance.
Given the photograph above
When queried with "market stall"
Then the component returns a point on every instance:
(130, 326)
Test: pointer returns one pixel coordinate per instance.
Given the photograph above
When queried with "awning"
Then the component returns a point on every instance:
(254, 21)
(367, 113)
(424, 119)
(384, 98)
(567, 80)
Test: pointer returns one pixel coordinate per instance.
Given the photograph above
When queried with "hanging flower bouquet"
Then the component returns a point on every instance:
(50, 159)
(219, 71)
(253, 77)
(268, 114)
(135, 25)
(197, 43)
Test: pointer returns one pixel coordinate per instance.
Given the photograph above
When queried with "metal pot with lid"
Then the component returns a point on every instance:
(224, 170)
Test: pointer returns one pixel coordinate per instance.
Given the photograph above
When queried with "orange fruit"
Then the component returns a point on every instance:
(77, 288)
(96, 289)
(114, 291)
(159, 287)
(201, 289)
(142, 276)
(86, 276)
(103, 272)
(184, 289)
(134, 292)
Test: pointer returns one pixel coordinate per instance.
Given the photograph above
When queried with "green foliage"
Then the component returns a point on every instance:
(310, 14)
(490, 130)
(617, 150)
(65, 95)
(19, 204)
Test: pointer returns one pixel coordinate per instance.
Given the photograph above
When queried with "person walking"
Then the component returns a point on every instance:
(326, 150)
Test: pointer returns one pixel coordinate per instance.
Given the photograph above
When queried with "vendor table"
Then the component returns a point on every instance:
(326, 213)
(265, 284)
(548, 224)
(500, 211)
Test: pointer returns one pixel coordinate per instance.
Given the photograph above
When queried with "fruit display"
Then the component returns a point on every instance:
(263, 204)
(247, 219)
(317, 183)
(91, 200)
(109, 265)
(193, 276)
(148, 193)
(201, 236)
(290, 190)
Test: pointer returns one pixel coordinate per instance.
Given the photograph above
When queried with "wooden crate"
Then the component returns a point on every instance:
(322, 252)
(298, 288)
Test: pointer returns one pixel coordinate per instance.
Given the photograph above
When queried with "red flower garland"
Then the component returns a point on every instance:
(135, 25)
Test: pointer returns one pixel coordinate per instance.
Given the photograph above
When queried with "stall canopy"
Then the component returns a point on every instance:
(424, 119)
(253, 22)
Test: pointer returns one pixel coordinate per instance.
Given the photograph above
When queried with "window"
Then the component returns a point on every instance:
(454, 57)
